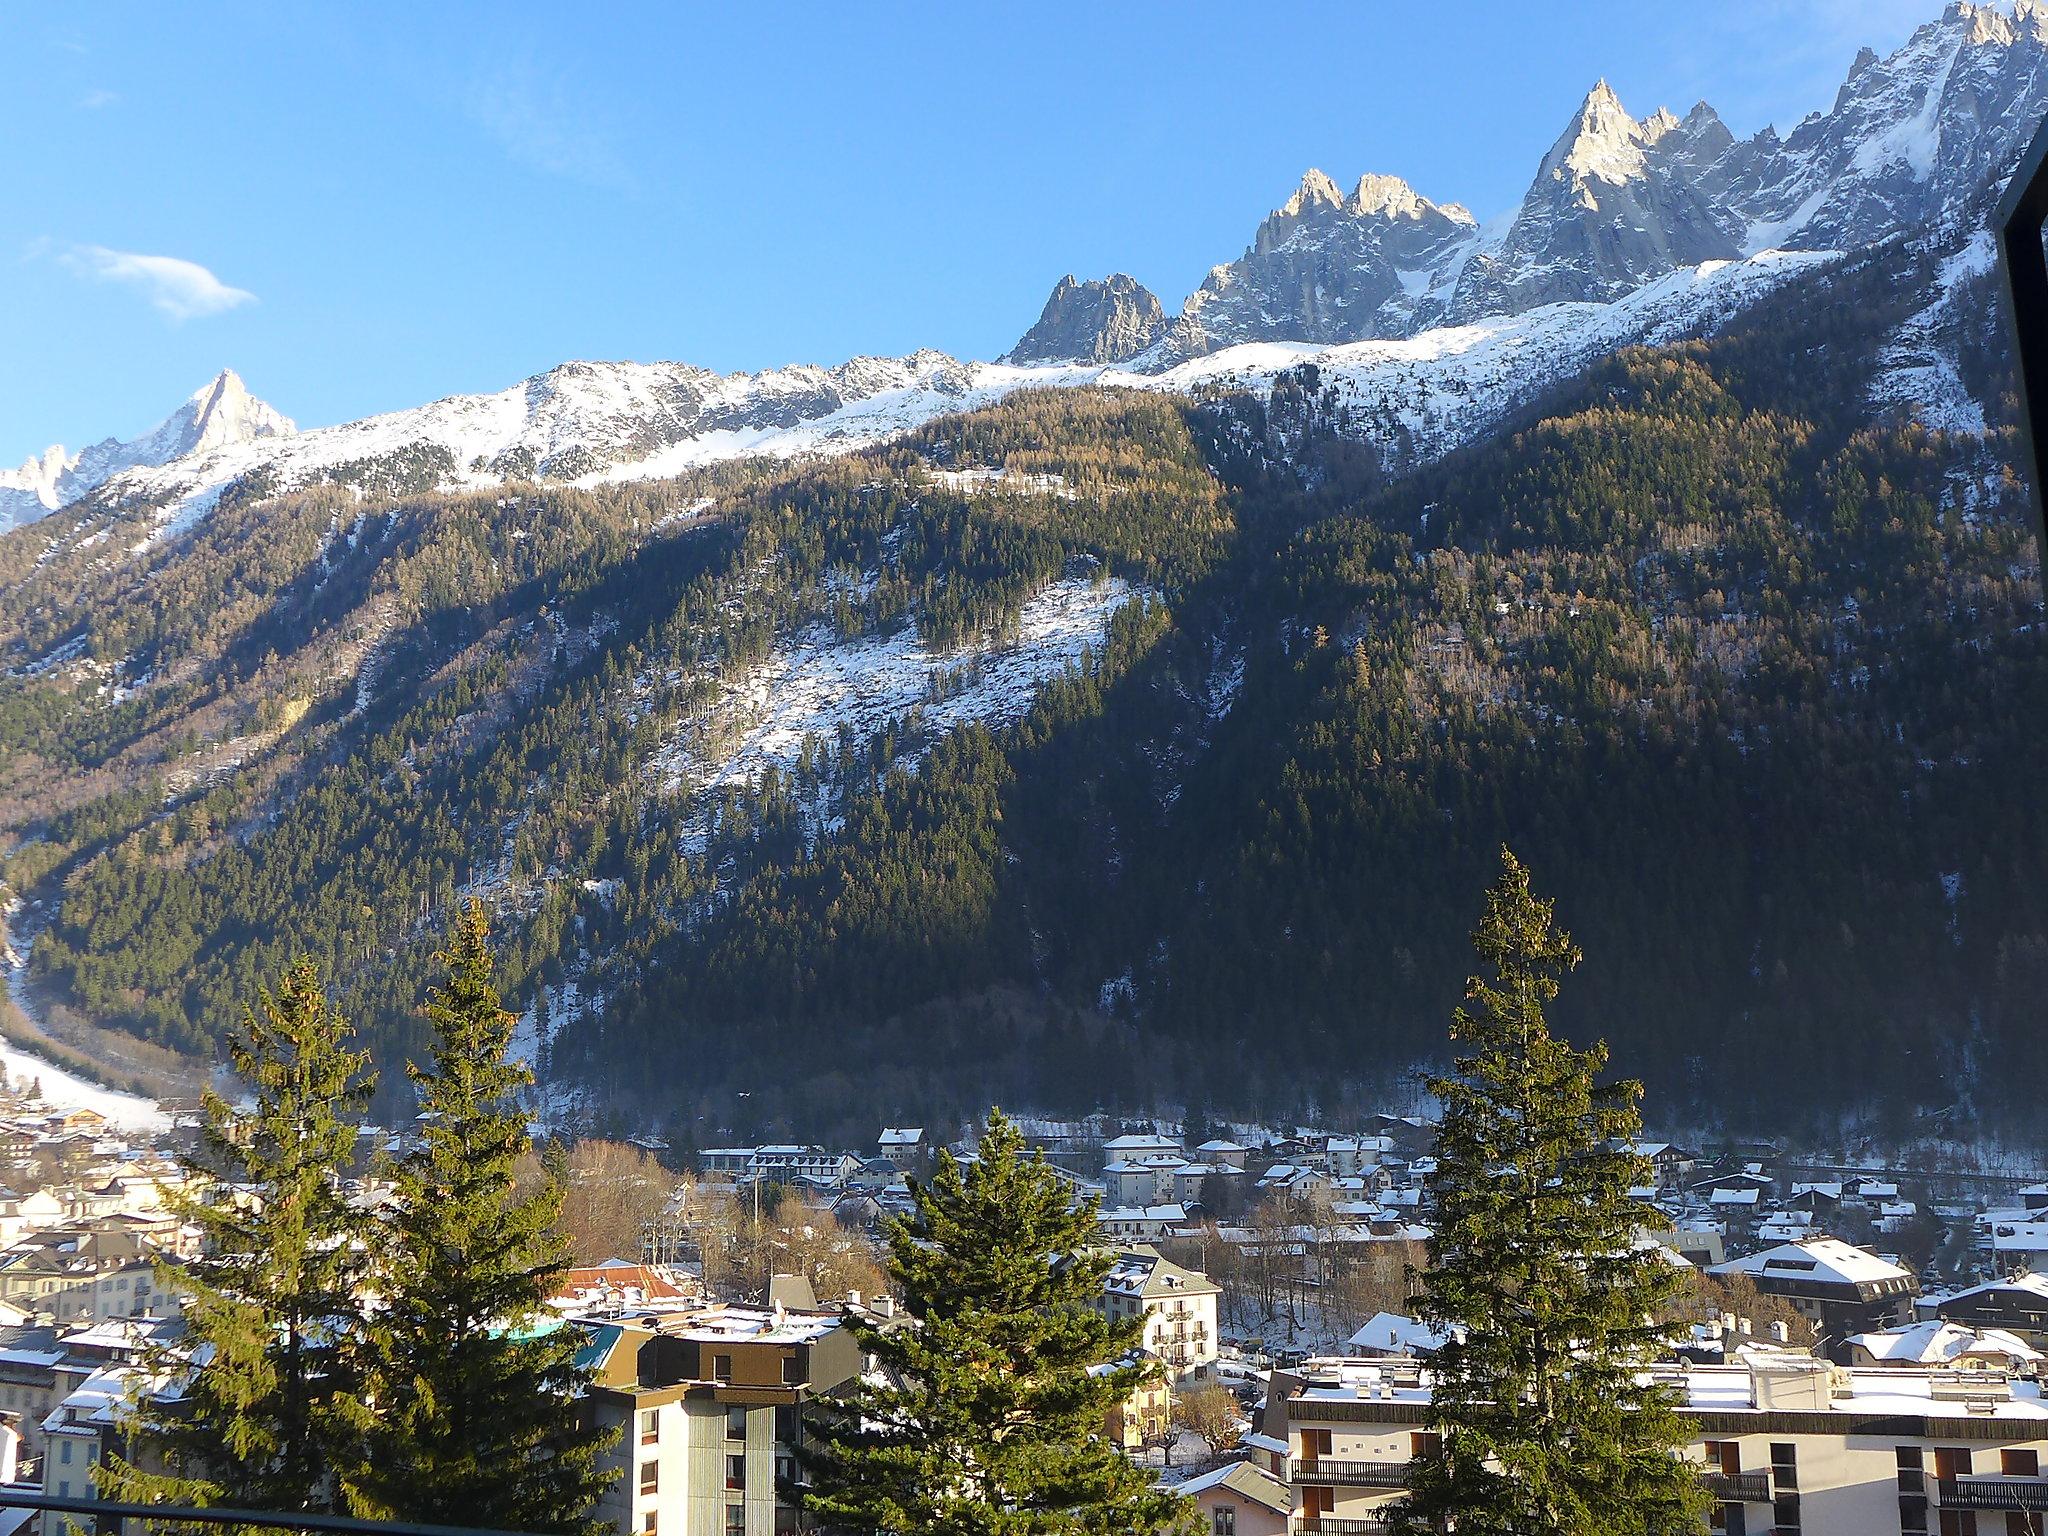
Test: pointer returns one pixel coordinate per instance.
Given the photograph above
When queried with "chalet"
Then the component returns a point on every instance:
(1841, 1289)
(2018, 1305)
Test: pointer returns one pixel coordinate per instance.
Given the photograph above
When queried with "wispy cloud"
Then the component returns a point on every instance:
(92, 101)
(180, 289)
(537, 123)
(1777, 60)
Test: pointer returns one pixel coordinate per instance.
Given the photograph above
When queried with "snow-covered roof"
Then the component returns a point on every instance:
(1392, 1333)
(2031, 1285)
(1827, 1260)
(2020, 1237)
(900, 1136)
(1936, 1343)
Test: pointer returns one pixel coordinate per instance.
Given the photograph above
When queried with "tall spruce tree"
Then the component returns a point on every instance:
(477, 1398)
(1537, 1271)
(1000, 1385)
(273, 1406)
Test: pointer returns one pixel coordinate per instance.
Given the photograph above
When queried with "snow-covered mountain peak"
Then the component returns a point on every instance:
(1316, 191)
(1659, 123)
(1602, 142)
(1392, 198)
(219, 414)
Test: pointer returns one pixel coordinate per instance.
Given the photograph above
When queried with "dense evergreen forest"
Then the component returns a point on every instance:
(1752, 676)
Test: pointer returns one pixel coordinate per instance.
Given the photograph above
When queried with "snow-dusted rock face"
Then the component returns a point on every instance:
(1914, 143)
(1327, 267)
(221, 415)
(1614, 204)
(1100, 321)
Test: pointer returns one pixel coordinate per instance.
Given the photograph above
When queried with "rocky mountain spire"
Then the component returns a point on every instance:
(219, 414)
(1099, 321)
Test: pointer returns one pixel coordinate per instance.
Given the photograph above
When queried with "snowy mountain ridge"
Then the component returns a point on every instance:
(590, 422)
(220, 415)
(1913, 143)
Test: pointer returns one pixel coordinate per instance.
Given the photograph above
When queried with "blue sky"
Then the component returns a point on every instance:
(363, 207)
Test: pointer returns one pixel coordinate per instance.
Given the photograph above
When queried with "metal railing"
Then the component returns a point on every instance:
(113, 1511)
(1356, 1474)
(1740, 1487)
(2027, 1494)
(1341, 1525)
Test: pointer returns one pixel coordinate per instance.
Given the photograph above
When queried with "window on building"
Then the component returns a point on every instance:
(1785, 1513)
(1425, 1445)
(1958, 1522)
(788, 1426)
(650, 1476)
(736, 1473)
(1951, 1462)
(1912, 1470)
(1730, 1519)
(1912, 1515)
(735, 1423)
(2016, 1461)
(1784, 1465)
(1223, 1520)
(651, 1522)
(650, 1425)
(735, 1520)
(2023, 1523)
(792, 1371)
(721, 1367)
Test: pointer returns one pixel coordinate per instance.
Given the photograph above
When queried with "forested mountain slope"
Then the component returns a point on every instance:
(783, 778)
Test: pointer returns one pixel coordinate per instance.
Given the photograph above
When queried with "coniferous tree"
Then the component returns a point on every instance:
(273, 1405)
(477, 1399)
(1537, 1271)
(1003, 1379)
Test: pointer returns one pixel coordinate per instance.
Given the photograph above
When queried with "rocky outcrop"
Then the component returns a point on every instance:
(1099, 321)
(1327, 267)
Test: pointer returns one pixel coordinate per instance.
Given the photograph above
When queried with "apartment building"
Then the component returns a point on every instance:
(1178, 1305)
(708, 1402)
(1789, 1445)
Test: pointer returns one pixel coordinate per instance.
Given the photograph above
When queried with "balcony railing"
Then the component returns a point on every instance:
(2022, 1493)
(1354, 1474)
(1340, 1525)
(1740, 1487)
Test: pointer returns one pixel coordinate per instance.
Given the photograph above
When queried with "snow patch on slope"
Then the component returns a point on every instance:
(815, 686)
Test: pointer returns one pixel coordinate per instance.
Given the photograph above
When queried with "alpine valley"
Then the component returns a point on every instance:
(1135, 720)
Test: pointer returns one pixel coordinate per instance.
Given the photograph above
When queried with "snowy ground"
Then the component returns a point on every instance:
(62, 1089)
(1917, 367)
(816, 683)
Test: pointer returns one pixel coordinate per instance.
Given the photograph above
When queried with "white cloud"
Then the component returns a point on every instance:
(183, 290)
(537, 123)
(92, 101)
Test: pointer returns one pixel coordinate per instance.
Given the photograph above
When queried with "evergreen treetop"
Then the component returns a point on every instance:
(988, 1410)
(477, 1389)
(1538, 1271)
(271, 1389)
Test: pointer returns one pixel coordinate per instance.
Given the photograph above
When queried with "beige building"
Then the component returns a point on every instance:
(1789, 1445)
(1178, 1305)
(708, 1401)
